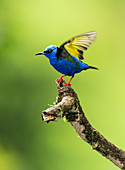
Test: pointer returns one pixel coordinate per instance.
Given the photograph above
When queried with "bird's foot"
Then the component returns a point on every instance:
(60, 79)
(67, 84)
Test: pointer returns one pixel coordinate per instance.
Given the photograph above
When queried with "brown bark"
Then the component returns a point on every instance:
(68, 105)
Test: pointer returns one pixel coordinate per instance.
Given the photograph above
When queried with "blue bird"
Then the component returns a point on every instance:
(66, 59)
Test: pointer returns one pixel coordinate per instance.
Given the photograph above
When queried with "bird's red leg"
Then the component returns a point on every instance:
(60, 79)
(66, 84)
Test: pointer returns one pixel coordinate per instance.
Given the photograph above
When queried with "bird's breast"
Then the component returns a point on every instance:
(65, 67)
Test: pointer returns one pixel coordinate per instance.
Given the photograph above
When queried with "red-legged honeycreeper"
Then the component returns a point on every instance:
(66, 59)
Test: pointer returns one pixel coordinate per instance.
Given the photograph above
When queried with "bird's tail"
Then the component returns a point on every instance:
(93, 67)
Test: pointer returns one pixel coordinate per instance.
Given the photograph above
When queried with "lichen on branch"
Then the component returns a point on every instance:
(68, 105)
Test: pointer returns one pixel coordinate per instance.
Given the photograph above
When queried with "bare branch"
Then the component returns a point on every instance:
(68, 105)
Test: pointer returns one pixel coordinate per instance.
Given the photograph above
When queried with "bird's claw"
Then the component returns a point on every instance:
(59, 80)
(66, 84)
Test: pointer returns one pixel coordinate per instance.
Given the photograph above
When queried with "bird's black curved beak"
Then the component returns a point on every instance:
(42, 53)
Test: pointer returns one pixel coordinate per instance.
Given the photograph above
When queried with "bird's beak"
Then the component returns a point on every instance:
(42, 53)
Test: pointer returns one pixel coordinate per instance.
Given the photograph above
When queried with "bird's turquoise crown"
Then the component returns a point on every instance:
(50, 50)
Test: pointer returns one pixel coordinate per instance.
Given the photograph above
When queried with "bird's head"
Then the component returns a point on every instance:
(49, 51)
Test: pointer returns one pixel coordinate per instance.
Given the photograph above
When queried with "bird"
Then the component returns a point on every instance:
(67, 59)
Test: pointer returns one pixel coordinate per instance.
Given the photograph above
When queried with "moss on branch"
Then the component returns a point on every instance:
(68, 105)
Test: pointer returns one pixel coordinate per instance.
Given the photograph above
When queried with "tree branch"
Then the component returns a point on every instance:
(68, 105)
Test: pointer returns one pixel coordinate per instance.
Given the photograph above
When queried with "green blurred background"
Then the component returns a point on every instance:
(27, 82)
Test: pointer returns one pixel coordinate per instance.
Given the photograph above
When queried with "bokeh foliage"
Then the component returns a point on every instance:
(27, 83)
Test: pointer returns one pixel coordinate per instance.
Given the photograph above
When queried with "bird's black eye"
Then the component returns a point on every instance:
(48, 51)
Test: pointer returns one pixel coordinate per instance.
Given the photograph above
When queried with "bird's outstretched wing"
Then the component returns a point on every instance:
(77, 45)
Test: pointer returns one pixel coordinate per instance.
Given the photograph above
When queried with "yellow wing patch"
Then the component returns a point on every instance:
(77, 45)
